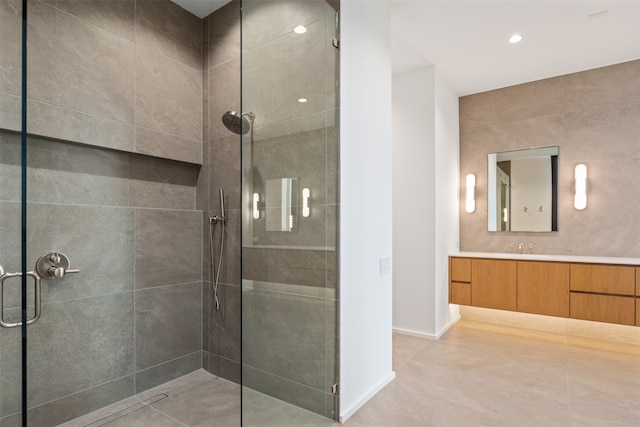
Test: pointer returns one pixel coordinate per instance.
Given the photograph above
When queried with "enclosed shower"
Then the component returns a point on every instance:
(157, 247)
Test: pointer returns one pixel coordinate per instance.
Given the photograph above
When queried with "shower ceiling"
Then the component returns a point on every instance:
(201, 8)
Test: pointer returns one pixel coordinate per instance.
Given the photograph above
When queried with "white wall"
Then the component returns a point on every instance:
(414, 193)
(365, 202)
(425, 200)
(447, 153)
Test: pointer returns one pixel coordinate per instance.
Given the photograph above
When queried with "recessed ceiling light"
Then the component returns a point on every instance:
(515, 38)
(302, 100)
(300, 29)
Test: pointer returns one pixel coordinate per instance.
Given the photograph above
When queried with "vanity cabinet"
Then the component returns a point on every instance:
(638, 298)
(493, 283)
(543, 288)
(604, 293)
(578, 290)
(460, 281)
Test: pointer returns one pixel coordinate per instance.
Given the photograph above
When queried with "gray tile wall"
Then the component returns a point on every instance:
(122, 74)
(593, 116)
(132, 318)
(221, 169)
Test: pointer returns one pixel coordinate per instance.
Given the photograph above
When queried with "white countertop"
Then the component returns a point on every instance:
(543, 257)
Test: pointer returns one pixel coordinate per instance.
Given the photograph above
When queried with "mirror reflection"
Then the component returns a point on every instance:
(523, 190)
(282, 195)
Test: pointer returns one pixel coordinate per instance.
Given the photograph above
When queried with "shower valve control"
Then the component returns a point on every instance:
(54, 266)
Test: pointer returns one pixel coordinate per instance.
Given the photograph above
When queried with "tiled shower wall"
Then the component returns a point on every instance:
(116, 74)
(593, 117)
(221, 170)
(106, 79)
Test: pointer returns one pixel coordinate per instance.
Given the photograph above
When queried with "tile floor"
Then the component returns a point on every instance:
(199, 399)
(476, 375)
(481, 375)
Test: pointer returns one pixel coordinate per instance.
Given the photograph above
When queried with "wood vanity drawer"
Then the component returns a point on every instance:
(637, 311)
(460, 293)
(460, 270)
(605, 279)
(603, 308)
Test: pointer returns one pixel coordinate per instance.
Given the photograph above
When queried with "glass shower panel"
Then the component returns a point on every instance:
(290, 182)
(110, 198)
(11, 206)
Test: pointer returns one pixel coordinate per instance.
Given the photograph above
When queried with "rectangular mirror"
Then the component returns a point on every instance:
(523, 190)
(281, 203)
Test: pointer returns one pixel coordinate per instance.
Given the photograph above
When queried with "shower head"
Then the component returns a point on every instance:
(237, 123)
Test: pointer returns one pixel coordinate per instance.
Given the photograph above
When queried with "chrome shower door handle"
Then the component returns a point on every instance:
(37, 297)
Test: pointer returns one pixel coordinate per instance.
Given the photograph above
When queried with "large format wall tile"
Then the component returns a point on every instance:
(168, 322)
(168, 146)
(74, 346)
(286, 390)
(74, 174)
(160, 374)
(223, 34)
(160, 183)
(105, 260)
(10, 112)
(293, 266)
(113, 15)
(168, 95)
(168, 247)
(10, 170)
(69, 407)
(225, 323)
(225, 171)
(224, 95)
(70, 125)
(286, 336)
(169, 30)
(226, 368)
(81, 75)
(10, 46)
(79, 66)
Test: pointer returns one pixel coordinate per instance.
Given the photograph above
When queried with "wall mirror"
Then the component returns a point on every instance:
(281, 203)
(523, 190)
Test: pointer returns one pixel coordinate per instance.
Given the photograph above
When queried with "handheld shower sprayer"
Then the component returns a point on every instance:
(215, 273)
(223, 214)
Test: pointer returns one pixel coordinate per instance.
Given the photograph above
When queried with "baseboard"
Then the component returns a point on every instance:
(426, 335)
(346, 414)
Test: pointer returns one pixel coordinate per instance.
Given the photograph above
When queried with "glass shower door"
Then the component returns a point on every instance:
(16, 309)
(289, 253)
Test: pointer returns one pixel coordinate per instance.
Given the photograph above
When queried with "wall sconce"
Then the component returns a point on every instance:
(256, 211)
(580, 198)
(305, 202)
(470, 205)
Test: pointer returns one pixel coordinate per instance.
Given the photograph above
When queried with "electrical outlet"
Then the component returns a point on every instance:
(385, 265)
